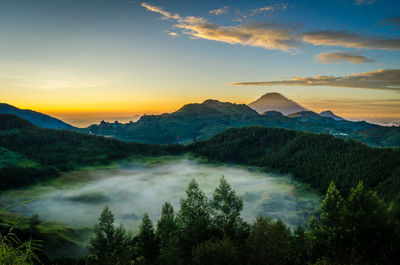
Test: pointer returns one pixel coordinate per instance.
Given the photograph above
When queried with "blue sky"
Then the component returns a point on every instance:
(116, 57)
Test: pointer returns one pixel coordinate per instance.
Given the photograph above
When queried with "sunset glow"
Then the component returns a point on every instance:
(120, 59)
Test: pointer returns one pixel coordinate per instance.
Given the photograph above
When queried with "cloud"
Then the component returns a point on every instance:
(342, 56)
(395, 21)
(219, 11)
(364, 2)
(267, 35)
(271, 8)
(386, 79)
(272, 36)
(173, 34)
(350, 40)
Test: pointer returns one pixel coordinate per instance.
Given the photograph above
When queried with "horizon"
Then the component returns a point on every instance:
(84, 62)
(85, 119)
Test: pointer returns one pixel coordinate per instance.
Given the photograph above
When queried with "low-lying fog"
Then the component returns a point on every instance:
(78, 197)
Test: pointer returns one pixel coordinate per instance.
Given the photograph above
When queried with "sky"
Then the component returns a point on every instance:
(88, 60)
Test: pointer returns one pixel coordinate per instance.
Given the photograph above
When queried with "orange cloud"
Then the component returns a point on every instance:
(271, 35)
(268, 36)
(219, 11)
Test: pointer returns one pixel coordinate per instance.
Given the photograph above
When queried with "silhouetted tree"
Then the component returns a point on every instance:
(146, 242)
(221, 252)
(108, 246)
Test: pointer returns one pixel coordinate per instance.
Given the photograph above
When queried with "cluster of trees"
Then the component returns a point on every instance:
(358, 229)
(59, 150)
(316, 159)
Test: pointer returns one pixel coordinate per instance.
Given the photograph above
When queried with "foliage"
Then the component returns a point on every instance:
(360, 229)
(316, 159)
(221, 252)
(269, 242)
(13, 251)
(107, 246)
(51, 151)
(146, 242)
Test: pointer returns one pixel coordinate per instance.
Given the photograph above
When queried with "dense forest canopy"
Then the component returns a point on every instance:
(313, 158)
(359, 228)
(358, 224)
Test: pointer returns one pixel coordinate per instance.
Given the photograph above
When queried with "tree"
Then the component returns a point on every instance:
(361, 229)
(226, 209)
(193, 219)
(370, 234)
(146, 242)
(326, 230)
(108, 246)
(299, 246)
(166, 235)
(269, 242)
(221, 252)
(166, 226)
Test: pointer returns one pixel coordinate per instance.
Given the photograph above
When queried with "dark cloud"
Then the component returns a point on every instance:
(334, 57)
(395, 21)
(387, 79)
(350, 40)
(364, 2)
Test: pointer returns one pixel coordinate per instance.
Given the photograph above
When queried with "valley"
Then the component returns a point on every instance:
(133, 188)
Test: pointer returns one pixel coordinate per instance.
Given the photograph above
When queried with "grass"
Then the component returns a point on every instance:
(9, 158)
(57, 238)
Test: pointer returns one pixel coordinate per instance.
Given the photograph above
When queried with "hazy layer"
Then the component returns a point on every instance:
(133, 189)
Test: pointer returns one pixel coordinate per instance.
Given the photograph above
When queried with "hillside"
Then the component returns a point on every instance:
(37, 118)
(316, 159)
(196, 121)
(30, 154)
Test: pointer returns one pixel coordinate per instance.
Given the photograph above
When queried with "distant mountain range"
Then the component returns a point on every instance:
(37, 118)
(199, 121)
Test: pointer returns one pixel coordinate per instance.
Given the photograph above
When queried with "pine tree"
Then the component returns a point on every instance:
(167, 236)
(226, 209)
(147, 245)
(108, 246)
(194, 219)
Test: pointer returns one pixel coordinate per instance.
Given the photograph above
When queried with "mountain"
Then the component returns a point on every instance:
(37, 118)
(191, 122)
(200, 121)
(330, 114)
(277, 102)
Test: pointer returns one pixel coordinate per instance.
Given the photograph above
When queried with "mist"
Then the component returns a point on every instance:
(132, 189)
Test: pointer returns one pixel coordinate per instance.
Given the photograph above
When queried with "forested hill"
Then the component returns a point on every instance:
(29, 154)
(37, 118)
(316, 159)
(194, 122)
